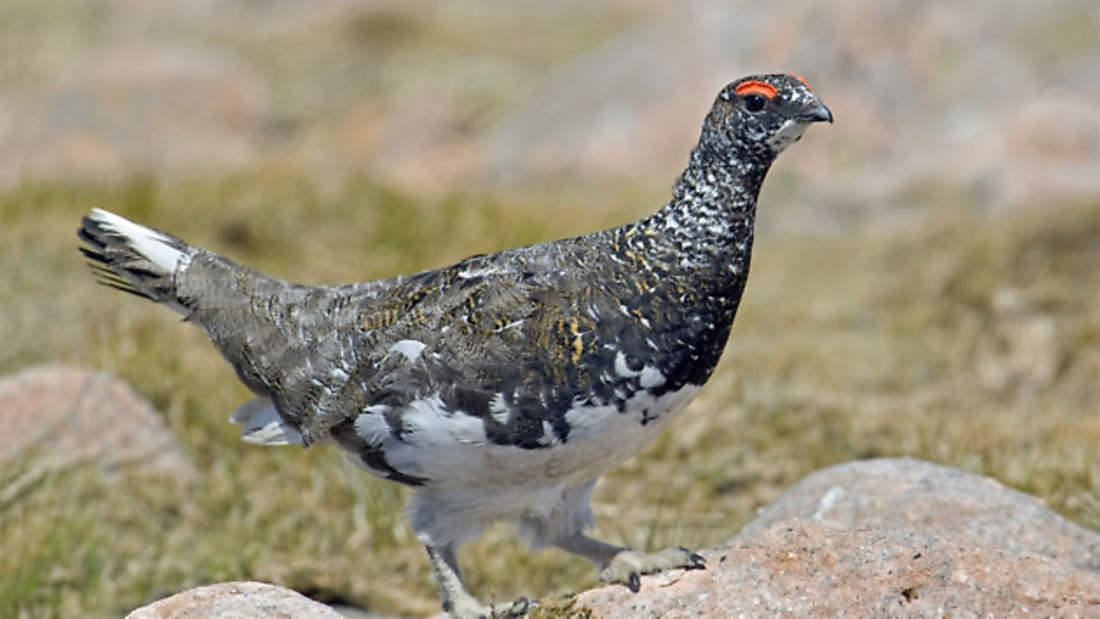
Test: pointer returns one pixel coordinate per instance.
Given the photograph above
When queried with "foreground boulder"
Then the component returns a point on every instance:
(884, 538)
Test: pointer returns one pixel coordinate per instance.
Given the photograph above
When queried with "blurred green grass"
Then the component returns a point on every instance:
(847, 347)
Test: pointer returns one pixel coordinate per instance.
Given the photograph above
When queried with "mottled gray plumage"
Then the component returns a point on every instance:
(500, 387)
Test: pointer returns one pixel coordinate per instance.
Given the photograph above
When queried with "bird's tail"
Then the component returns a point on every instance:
(135, 259)
(266, 328)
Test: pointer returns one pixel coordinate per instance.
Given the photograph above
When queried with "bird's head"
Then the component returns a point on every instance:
(760, 115)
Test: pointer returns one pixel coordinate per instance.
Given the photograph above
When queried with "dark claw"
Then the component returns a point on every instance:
(520, 607)
(697, 562)
(634, 583)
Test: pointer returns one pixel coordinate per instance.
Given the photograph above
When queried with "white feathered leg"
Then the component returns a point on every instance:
(616, 563)
(457, 601)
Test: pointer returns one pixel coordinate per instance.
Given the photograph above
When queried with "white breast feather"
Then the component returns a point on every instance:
(452, 449)
(469, 488)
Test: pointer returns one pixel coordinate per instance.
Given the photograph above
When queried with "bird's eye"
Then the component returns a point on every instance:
(755, 103)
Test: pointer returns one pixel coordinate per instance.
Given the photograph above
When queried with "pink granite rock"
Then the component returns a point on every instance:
(884, 538)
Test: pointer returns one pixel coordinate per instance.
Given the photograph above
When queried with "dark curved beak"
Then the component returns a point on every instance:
(817, 114)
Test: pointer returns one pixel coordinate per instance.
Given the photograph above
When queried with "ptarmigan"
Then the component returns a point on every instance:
(501, 387)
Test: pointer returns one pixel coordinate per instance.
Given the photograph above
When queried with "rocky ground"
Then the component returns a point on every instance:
(879, 538)
(884, 538)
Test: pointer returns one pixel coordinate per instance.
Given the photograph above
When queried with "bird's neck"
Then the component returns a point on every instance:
(708, 223)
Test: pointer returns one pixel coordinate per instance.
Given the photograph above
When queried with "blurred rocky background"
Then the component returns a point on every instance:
(926, 284)
(996, 101)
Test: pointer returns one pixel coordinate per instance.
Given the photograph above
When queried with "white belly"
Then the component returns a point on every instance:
(453, 451)
(472, 482)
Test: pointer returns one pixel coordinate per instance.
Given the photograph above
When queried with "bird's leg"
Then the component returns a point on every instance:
(457, 602)
(449, 578)
(626, 565)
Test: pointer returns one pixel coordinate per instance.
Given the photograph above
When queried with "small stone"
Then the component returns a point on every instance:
(236, 600)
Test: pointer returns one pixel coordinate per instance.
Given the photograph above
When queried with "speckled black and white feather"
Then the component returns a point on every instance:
(502, 386)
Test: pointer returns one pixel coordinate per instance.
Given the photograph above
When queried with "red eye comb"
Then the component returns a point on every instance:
(756, 87)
